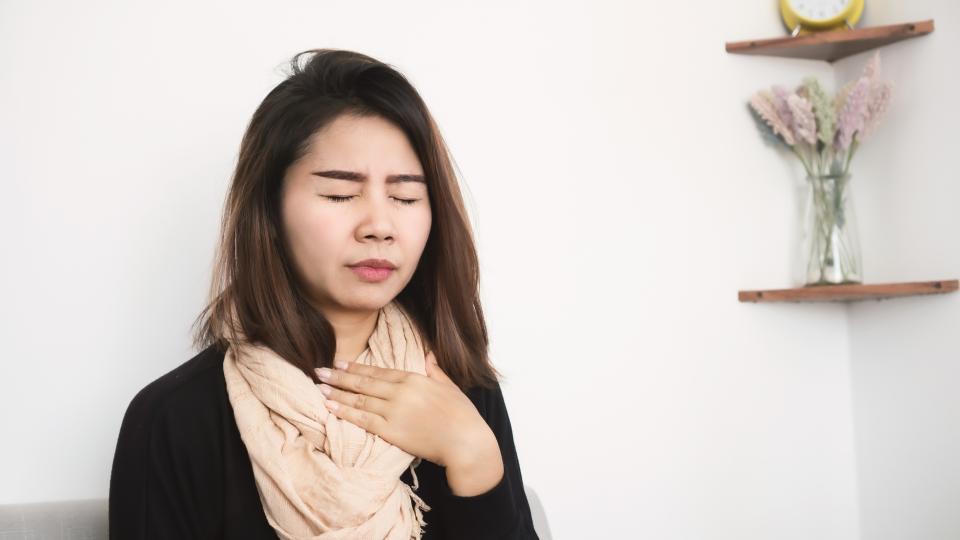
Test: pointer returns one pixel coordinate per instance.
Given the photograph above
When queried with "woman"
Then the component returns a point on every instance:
(343, 389)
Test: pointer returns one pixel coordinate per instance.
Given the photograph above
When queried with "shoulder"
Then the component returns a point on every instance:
(186, 397)
(190, 381)
(165, 469)
(189, 378)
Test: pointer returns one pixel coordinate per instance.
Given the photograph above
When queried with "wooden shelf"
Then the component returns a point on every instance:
(850, 293)
(832, 45)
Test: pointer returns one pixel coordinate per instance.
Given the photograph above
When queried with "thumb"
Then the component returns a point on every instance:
(433, 368)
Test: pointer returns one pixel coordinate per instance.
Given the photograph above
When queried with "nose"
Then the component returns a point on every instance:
(376, 223)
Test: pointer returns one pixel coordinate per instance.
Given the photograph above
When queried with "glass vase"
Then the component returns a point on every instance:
(831, 245)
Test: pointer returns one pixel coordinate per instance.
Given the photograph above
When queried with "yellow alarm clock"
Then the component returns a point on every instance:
(806, 16)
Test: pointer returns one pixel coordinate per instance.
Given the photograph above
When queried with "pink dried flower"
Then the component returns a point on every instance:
(841, 98)
(872, 69)
(877, 105)
(879, 96)
(762, 103)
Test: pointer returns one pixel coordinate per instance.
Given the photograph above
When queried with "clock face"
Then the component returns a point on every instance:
(819, 10)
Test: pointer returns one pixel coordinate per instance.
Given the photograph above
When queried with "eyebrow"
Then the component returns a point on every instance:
(360, 177)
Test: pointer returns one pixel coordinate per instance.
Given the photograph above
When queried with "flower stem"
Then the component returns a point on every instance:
(799, 155)
(853, 148)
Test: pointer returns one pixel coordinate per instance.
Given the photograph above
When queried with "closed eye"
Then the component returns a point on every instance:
(345, 198)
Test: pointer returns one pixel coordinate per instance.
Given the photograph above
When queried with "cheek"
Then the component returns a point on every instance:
(415, 230)
(317, 240)
(427, 224)
(421, 226)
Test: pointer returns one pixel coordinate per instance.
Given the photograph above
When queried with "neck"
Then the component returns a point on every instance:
(353, 330)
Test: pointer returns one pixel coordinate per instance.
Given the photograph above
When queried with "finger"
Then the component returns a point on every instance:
(357, 401)
(360, 384)
(386, 374)
(363, 419)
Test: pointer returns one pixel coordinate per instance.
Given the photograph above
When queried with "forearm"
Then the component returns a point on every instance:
(475, 469)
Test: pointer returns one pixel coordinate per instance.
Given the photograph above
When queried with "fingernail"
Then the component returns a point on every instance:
(323, 373)
(332, 404)
(340, 364)
(325, 389)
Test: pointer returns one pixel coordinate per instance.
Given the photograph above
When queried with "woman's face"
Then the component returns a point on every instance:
(358, 194)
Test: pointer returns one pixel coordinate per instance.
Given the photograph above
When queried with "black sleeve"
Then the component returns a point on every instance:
(162, 484)
(501, 513)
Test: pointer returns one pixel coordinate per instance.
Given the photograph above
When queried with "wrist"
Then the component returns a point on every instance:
(476, 468)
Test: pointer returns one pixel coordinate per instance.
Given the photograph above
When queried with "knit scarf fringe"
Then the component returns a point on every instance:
(419, 505)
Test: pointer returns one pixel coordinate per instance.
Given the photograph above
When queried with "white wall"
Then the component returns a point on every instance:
(621, 194)
(905, 353)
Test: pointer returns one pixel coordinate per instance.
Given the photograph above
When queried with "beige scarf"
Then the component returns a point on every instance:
(320, 477)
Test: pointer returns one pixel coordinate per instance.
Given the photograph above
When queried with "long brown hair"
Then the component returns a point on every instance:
(252, 272)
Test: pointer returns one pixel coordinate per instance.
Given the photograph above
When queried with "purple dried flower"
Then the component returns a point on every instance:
(853, 114)
(780, 95)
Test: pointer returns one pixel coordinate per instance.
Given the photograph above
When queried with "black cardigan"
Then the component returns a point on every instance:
(181, 471)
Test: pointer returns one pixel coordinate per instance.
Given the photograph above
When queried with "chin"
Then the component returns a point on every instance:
(370, 300)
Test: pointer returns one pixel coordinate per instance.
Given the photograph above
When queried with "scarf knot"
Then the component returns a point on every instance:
(320, 477)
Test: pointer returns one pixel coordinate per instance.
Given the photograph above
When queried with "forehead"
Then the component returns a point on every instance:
(351, 141)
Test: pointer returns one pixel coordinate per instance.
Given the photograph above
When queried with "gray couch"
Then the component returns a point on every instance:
(64, 520)
(87, 520)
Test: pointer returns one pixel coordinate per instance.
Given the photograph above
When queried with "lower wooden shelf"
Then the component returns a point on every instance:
(850, 293)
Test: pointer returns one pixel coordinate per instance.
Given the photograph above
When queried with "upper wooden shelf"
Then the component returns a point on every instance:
(832, 45)
(849, 293)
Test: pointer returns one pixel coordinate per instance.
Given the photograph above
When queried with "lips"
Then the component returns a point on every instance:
(374, 263)
(372, 275)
